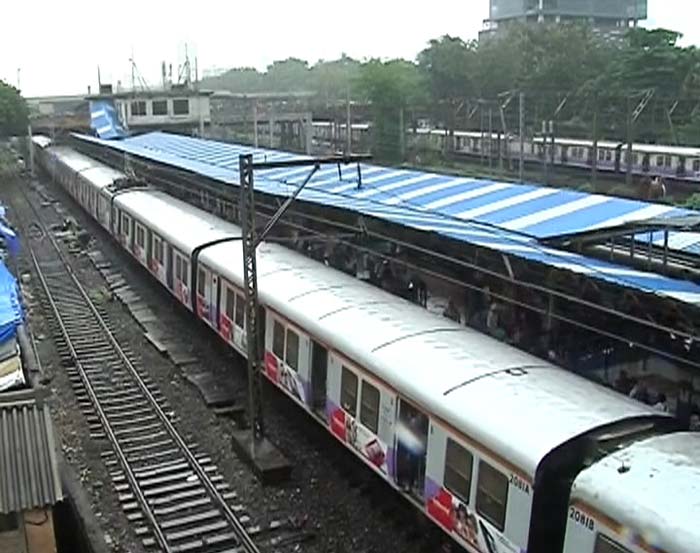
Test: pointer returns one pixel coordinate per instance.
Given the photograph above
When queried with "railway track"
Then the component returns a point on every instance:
(170, 492)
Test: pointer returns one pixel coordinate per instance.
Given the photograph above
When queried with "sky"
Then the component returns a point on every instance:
(58, 45)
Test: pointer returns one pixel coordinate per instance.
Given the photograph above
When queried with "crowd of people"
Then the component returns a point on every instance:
(497, 308)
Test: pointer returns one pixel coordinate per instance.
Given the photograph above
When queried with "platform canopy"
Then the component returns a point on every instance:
(506, 217)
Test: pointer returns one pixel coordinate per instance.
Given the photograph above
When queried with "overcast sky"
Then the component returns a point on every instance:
(58, 45)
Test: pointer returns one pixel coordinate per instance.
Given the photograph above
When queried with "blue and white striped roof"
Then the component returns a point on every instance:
(506, 217)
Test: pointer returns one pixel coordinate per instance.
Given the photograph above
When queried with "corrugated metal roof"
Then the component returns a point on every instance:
(505, 217)
(28, 467)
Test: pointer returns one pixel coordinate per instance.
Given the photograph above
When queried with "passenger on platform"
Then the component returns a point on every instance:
(639, 392)
(624, 383)
(661, 404)
(451, 312)
(694, 422)
(419, 290)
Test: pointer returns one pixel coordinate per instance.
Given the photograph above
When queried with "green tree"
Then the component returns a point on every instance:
(390, 87)
(448, 65)
(291, 74)
(333, 80)
(14, 115)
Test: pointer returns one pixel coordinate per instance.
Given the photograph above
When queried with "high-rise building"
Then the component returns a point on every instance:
(604, 15)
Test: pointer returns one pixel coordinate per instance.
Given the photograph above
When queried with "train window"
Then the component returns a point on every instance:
(348, 391)
(492, 495)
(369, 407)
(292, 350)
(601, 155)
(278, 340)
(240, 310)
(160, 107)
(185, 270)
(138, 108)
(458, 470)
(181, 106)
(604, 544)
(696, 165)
(140, 236)
(178, 267)
(230, 297)
(201, 281)
(158, 249)
(608, 156)
(126, 224)
(668, 161)
(659, 161)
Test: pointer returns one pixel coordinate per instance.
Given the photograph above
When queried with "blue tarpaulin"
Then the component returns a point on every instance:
(104, 120)
(10, 305)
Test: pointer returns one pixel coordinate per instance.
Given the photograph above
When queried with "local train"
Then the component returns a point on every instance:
(503, 451)
(675, 162)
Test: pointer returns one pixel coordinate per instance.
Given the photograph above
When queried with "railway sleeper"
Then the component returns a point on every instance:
(140, 439)
(164, 468)
(167, 493)
(131, 430)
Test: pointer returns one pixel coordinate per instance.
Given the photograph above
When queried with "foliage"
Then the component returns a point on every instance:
(693, 202)
(14, 114)
(566, 72)
(390, 87)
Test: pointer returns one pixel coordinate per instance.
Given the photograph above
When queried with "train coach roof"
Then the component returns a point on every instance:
(99, 174)
(457, 374)
(179, 223)
(651, 487)
(504, 217)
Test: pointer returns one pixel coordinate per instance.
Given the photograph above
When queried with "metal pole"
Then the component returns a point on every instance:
(271, 122)
(250, 280)
(594, 161)
(490, 140)
(522, 137)
(630, 139)
(30, 147)
(348, 123)
(553, 153)
(402, 134)
(255, 123)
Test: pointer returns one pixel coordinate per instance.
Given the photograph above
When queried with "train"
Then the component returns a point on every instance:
(504, 452)
(680, 163)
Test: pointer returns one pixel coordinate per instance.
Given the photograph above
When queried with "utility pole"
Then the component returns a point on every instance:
(402, 134)
(522, 137)
(630, 140)
(255, 442)
(255, 123)
(594, 160)
(490, 140)
(348, 124)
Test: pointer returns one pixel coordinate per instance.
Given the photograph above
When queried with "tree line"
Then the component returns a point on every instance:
(568, 74)
(14, 113)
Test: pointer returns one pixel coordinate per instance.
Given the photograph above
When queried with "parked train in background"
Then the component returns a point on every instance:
(503, 451)
(673, 162)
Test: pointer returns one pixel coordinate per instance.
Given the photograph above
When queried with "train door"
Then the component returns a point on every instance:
(319, 377)
(169, 268)
(204, 294)
(411, 449)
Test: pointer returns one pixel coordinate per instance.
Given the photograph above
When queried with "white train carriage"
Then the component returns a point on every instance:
(87, 180)
(166, 236)
(356, 357)
(644, 498)
(483, 438)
